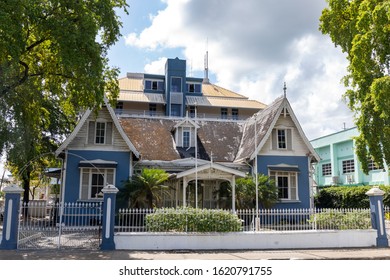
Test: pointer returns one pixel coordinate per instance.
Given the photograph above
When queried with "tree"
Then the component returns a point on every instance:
(53, 65)
(246, 192)
(146, 189)
(361, 29)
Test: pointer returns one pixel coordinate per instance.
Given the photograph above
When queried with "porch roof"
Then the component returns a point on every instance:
(211, 165)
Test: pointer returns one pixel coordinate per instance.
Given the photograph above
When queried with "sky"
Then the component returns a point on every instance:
(254, 46)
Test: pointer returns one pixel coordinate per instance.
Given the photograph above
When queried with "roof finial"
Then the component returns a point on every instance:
(285, 90)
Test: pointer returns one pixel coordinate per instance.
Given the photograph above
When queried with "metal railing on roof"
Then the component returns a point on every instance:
(159, 114)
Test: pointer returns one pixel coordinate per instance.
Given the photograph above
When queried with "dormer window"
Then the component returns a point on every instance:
(186, 137)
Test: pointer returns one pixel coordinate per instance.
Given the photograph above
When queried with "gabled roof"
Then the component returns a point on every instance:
(83, 119)
(263, 122)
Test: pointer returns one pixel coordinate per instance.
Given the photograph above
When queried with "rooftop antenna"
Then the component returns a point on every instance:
(206, 65)
(285, 90)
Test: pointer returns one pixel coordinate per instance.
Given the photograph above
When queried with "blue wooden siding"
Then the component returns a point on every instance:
(72, 188)
(303, 177)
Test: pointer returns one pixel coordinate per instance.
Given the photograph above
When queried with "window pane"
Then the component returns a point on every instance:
(348, 166)
(224, 113)
(326, 169)
(283, 187)
(97, 184)
(282, 139)
(100, 132)
(186, 139)
(176, 84)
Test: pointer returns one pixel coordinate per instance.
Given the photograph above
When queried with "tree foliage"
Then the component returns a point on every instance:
(53, 65)
(361, 29)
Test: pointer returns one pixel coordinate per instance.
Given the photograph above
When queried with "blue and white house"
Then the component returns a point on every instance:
(197, 131)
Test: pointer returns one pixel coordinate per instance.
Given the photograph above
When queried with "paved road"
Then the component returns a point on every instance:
(330, 254)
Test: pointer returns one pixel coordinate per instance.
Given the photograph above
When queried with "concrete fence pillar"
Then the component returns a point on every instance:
(377, 216)
(11, 218)
(109, 198)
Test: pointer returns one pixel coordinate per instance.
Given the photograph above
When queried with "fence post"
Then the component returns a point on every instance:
(109, 198)
(377, 216)
(11, 218)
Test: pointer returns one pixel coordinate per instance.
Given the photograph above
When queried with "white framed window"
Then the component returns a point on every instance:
(287, 184)
(282, 139)
(326, 169)
(93, 180)
(282, 143)
(186, 137)
(100, 133)
(348, 166)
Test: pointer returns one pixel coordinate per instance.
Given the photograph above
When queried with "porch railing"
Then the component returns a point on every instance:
(134, 220)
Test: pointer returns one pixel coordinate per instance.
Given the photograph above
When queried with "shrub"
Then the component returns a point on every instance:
(342, 221)
(192, 220)
(348, 197)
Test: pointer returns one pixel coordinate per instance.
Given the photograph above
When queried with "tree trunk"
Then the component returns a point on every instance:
(26, 192)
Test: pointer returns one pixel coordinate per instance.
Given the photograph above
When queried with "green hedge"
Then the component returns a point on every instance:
(348, 197)
(342, 221)
(192, 220)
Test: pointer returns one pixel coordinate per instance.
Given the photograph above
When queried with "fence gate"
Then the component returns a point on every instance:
(61, 225)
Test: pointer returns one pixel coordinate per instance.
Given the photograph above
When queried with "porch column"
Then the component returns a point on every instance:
(377, 216)
(184, 191)
(233, 182)
(109, 197)
(11, 218)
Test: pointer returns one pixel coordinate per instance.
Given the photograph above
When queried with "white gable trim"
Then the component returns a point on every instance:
(74, 133)
(209, 166)
(84, 118)
(286, 105)
(120, 129)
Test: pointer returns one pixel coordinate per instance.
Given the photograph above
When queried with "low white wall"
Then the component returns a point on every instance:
(246, 240)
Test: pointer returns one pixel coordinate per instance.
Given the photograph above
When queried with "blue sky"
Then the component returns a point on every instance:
(254, 47)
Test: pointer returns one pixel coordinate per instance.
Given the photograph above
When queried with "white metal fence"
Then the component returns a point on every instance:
(68, 225)
(134, 220)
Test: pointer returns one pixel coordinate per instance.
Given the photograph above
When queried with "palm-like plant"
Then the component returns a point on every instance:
(246, 192)
(146, 189)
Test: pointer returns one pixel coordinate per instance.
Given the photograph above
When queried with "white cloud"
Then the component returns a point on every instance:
(156, 67)
(254, 46)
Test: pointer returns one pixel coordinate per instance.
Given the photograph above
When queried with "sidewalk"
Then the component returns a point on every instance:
(320, 254)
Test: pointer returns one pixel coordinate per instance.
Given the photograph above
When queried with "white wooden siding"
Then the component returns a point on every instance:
(81, 139)
(298, 145)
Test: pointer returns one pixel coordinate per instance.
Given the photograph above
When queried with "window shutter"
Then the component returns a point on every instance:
(274, 140)
(91, 132)
(84, 184)
(289, 139)
(109, 133)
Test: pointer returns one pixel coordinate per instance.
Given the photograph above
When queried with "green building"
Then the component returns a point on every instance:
(339, 164)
